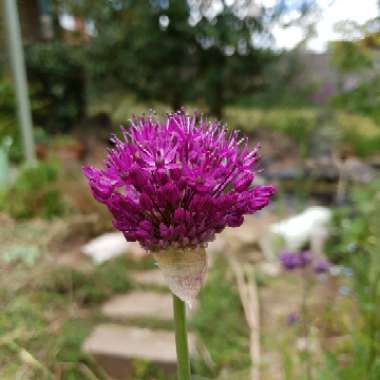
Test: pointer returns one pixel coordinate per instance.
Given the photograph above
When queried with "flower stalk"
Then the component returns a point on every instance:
(182, 346)
(172, 185)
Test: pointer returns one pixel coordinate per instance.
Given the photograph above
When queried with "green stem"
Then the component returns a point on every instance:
(306, 322)
(181, 339)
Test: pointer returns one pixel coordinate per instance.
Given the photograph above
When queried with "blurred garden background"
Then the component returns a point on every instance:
(299, 77)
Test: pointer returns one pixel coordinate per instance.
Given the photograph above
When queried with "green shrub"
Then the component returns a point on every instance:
(57, 82)
(89, 287)
(364, 99)
(220, 323)
(8, 121)
(34, 193)
(357, 131)
(355, 242)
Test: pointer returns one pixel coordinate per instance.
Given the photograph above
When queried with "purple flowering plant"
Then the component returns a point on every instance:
(171, 185)
(294, 260)
(299, 260)
(308, 263)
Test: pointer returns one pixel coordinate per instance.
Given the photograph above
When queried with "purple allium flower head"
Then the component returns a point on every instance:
(176, 183)
(295, 260)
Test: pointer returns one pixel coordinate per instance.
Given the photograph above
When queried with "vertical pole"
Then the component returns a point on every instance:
(19, 74)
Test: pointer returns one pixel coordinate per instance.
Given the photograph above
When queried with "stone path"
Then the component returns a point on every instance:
(116, 346)
(139, 304)
(124, 338)
(151, 277)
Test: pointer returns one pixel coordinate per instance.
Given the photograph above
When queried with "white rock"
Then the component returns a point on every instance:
(311, 226)
(105, 247)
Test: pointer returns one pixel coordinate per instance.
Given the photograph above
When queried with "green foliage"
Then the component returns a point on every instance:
(364, 99)
(56, 79)
(354, 54)
(178, 51)
(9, 127)
(37, 317)
(70, 339)
(25, 254)
(8, 122)
(220, 323)
(144, 369)
(349, 56)
(89, 288)
(34, 193)
(356, 49)
(356, 243)
(358, 132)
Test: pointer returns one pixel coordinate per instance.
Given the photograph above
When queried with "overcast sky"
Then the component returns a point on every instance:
(332, 12)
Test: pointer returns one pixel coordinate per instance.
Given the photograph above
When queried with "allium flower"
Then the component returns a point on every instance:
(177, 183)
(295, 260)
(174, 184)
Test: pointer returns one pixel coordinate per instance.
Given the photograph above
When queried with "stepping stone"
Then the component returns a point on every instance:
(153, 277)
(270, 268)
(115, 348)
(139, 304)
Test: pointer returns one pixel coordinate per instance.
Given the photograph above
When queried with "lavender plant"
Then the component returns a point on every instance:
(172, 185)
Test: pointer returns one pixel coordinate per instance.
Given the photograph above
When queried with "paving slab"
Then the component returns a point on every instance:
(152, 277)
(141, 304)
(115, 348)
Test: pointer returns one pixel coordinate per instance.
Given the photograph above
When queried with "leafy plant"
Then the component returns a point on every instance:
(34, 193)
(356, 243)
(8, 122)
(22, 253)
(221, 324)
(364, 99)
(89, 288)
(9, 127)
(181, 51)
(57, 81)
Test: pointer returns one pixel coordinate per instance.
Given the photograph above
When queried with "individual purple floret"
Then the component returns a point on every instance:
(322, 266)
(176, 183)
(295, 260)
(289, 260)
(305, 257)
(292, 318)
